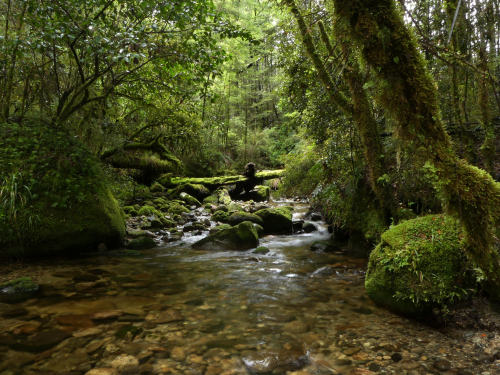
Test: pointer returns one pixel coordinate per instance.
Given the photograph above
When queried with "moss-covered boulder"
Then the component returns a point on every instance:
(418, 265)
(18, 290)
(196, 190)
(219, 228)
(241, 237)
(260, 193)
(276, 220)
(239, 217)
(54, 195)
(141, 243)
(220, 216)
(189, 199)
(156, 187)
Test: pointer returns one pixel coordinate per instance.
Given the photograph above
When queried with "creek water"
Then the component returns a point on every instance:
(175, 310)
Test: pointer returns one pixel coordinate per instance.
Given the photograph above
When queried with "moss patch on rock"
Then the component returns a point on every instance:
(276, 220)
(418, 265)
(241, 216)
(55, 198)
(18, 290)
(141, 243)
(241, 237)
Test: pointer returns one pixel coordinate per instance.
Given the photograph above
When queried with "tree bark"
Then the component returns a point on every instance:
(409, 95)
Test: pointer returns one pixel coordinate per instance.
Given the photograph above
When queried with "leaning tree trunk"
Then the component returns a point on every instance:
(409, 95)
(359, 109)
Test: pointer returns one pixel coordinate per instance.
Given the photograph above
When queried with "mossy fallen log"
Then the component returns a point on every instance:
(214, 182)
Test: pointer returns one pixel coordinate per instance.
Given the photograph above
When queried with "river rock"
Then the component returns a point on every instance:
(241, 216)
(102, 371)
(261, 250)
(125, 364)
(18, 290)
(297, 225)
(309, 227)
(276, 220)
(35, 343)
(189, 199)
(141, 243)
(241, 237)
(267, 361)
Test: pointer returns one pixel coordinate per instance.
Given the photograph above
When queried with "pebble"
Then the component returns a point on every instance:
(102, 371)
(178, 353)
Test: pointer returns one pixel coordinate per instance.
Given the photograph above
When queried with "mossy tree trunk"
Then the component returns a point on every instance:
(409, 95)
(359, 109)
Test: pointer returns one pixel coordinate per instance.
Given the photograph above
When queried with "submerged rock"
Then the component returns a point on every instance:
(141, 243)
(241, 237)
(275, 362)
(324, 246)
(18, 290)
(276, 220)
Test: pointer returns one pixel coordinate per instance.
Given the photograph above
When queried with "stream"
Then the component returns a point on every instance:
(175, 310)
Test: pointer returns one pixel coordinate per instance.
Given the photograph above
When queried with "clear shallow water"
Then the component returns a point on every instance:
(175, 310)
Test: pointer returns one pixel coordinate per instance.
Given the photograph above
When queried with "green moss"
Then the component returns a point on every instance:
(196, 190)
(219, 227)
(63, 203)
(130, 210)
(408, 94)
(141, 243)
(241, 216)
(261, 250)
(220, 216)
(156, 187)
(276, 220)
(18, 290)
(149, 211)
(175, 208)
(189, 199)
(241, 237)
(419, 264)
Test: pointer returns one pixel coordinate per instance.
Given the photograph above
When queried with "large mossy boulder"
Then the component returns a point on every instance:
(54, 195)
(419, 265)
(240, 237)
(276, 220)
(259, 193)
(240, 216)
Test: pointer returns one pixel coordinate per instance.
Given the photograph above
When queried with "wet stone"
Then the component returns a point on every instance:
(396, 357)
(442, 364)
(102, 371)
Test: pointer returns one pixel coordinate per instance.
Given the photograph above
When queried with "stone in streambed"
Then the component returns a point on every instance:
(241, 237)
(261, 250)
(18, 290)
(241, 216)
(141, 243)
(36, 343)
(267, 361)
(189, 199)
(276, 220)
(309, 227)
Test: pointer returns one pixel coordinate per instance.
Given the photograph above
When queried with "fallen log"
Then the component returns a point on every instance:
(213, 183)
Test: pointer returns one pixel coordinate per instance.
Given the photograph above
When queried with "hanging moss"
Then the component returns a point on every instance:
(409, 95)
